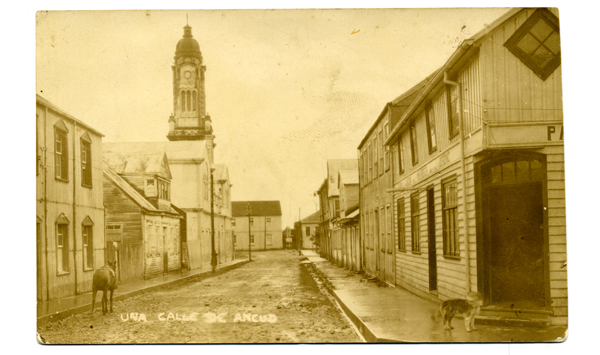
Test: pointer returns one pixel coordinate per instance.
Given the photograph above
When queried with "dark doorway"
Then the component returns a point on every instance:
(514, 243)
(431, 240)
(165, 252)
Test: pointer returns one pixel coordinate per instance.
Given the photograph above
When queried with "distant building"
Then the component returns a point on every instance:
(265, 225)
(308, 230)
(348, 221)
(141, 223)
(69, 208)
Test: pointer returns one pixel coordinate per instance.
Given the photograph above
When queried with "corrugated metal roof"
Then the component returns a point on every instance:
(139, 163)
(39, 99)
(175, 150)
(131, 192)
(259, 208)
(333, 168)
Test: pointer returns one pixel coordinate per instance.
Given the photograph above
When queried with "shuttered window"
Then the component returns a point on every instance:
(431, 139)
(452, 97)
(413, 144)
(400, 156)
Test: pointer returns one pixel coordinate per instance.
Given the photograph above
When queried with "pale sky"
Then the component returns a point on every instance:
(286, 89)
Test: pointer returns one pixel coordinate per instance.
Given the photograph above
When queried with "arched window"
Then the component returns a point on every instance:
(194, 104)
(87, 229)
(62, 244)
(183, 101)
(188, 101)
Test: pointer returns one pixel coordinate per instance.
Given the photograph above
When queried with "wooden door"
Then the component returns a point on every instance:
(376, 239)
(517, 244)
(431, 240)
(165, 251)
(389, 248)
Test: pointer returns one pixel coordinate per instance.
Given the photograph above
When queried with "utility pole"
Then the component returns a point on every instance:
(213, 255)
(249, 235)
(299, 237)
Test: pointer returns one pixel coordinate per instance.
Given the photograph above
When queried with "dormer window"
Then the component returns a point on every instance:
(164, 190)
(537, 43)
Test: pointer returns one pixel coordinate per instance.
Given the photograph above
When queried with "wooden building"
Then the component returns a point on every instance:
(348, 221)
(69, 207)
(265, 231)
(329, 198)
(308, 230)
(142, 227)
(478, 174)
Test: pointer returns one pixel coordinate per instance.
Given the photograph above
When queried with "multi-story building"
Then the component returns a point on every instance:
(329, 198)
(348, 221)
(142, 227)
(70, 211)
(375, 176)
(479, 190)
(264, 218)
(190, 151)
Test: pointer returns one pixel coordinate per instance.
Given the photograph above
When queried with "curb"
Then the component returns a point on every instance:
(43, 320)
(369, 336)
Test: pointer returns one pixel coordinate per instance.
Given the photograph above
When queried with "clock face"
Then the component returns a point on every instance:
(188, 74)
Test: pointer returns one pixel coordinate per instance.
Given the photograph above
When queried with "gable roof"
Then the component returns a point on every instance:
(313, 218)
(184, 150)
(130, 191)
(42, 101)
(259, 208)
(348, 177)
(333, 168)
(139, 163)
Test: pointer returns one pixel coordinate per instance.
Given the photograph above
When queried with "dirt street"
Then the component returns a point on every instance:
(273, 299)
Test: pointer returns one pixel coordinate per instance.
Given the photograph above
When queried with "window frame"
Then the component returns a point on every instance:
(400, 156)
(61, 156)
(87, 243)
(86, 163)
(415, 223)
(375, 158)
(451, 242)
(431, 132)
(386, 129)
(400, 203)
(63, 264)
(453, 125)
(381, 154)
(414, 151)
(542, 71)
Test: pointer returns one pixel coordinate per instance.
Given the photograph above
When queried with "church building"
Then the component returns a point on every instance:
(190, 151)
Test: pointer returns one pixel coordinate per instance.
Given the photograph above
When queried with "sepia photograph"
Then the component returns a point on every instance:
(313, 176)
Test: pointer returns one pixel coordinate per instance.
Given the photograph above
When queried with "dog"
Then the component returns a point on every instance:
(468, 307)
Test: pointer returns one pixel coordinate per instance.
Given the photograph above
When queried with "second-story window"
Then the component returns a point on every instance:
(452, 97)
(380, 149)
(386, 130)
(61, 155)
(86, 163)
(375, 159)
(413, 144)
(233, 222)
(400, 156)
(251, 221)
(269, 221)
(431, 141)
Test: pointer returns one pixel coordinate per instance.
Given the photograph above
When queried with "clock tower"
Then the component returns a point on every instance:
(189, 121)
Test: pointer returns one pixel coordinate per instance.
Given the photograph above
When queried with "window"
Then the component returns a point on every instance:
(252, 239)
(86, 163)
(234, 239)
(61, 155)
(415, 222)
(163, 190)
(62, 244)
(401, 226)
(269, 239)
(400, 156)
(233, 222)
(452, 97)
(308, 231)
(183, 101)
(389, 226)
(252, 221)
(380, 149)
(337, 207)
(537, 43)
(430, 119)
(88, 242)
(268, 220)
(375, 159)
(413, 144)
(450, 219)
(205, 180)
(386, 130)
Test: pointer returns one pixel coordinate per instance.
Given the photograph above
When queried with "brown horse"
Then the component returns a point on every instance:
(104, 280)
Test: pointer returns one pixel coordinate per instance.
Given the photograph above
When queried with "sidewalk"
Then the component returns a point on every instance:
(64, 307)
(392, 314)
